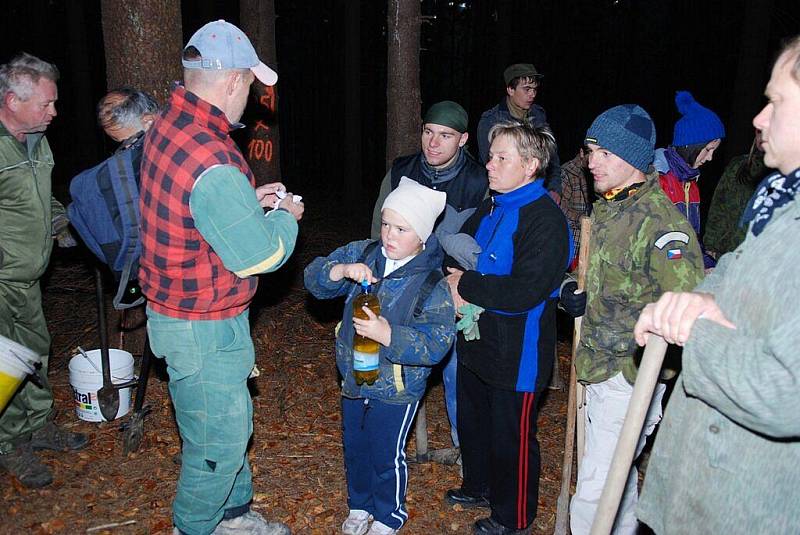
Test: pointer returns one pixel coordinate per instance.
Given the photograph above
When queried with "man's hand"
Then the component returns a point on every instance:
(572, 301)
(266, 194)
(65, 238)
(60, 231)
(452, 281)
(375, 328)
(355, 272)
(295, 208)
(674, 314)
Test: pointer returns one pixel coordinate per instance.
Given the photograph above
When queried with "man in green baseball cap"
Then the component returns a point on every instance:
(522, 82)
(443, 164)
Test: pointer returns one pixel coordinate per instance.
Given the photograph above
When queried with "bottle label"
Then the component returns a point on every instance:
(365, 362)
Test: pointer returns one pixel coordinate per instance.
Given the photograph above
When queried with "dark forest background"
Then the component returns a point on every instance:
(594, 54)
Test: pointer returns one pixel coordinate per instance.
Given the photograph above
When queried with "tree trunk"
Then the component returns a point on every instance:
(258, 22)
(352, 103)
(403, 122)
(143, 43)
(750, 76)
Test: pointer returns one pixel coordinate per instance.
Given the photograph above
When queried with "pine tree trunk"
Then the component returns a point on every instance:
(143, 43)
(263, 136)
(403, 122)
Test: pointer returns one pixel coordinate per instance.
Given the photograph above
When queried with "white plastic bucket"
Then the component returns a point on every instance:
(16, 362)
(86, 378)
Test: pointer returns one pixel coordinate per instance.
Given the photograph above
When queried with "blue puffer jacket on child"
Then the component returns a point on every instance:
(418, 342)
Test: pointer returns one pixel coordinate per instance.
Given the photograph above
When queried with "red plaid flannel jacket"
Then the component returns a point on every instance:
(180, 274)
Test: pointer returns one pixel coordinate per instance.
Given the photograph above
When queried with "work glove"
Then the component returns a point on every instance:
(570, 301)
(468, 324)
(463, 248)
(60, 231)
(453, 220)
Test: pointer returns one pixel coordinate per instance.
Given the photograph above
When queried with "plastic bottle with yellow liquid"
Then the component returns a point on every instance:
(365, 350)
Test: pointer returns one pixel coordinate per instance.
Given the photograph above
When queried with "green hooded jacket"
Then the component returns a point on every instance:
(640, 247)
(27, 208)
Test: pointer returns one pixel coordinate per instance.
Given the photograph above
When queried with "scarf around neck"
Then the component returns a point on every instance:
(678, 165)
(516, 112)
(772, 193)
(438, 176)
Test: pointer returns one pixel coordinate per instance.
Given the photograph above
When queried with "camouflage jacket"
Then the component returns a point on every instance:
(723, 233)
(640, 247)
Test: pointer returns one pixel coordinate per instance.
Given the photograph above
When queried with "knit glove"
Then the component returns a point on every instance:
(571, 301)
(60, 231)
(468, 324)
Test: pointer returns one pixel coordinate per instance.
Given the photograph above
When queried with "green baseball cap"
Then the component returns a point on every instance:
(448, 113)
(521, 70)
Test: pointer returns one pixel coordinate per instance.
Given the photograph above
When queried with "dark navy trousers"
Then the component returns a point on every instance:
(374, 436)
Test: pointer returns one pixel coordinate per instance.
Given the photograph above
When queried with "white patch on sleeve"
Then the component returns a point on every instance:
(670, 237)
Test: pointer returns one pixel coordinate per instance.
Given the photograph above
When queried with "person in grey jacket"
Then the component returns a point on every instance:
(727, 457)
(522, 85)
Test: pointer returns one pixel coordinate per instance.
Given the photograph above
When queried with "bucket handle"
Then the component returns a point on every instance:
(91, 363)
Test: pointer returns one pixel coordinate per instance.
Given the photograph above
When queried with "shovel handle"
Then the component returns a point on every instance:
(101, 326)
(646, 379)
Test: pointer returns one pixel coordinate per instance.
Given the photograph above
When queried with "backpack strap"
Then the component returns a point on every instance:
(124, 182)
(425, 290)
(368, 251)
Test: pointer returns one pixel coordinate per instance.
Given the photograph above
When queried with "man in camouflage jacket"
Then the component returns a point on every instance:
(640, 247)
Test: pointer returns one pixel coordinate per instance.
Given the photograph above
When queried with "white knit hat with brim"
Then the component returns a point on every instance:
(418, 205)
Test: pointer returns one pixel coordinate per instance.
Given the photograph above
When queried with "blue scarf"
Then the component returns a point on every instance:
(773, 192)
(678, 165)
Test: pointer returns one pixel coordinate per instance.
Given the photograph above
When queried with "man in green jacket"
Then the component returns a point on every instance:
(640, 246)
(29, 220)
(727, 457)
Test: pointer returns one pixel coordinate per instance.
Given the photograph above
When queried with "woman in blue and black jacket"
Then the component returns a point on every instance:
(526, 248)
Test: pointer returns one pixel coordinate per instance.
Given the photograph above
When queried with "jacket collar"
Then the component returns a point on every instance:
(520, 196)
(203, 113)
(650, 183)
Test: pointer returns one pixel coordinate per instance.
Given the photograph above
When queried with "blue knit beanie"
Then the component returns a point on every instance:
(627, 131)
(698, 124)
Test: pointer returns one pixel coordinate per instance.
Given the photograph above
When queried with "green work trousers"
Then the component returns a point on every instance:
(208, 362)
(22, 320)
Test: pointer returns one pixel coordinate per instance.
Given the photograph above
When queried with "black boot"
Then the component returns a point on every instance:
(52, 437)
(490, 526)
(23, 464)
(459, 497)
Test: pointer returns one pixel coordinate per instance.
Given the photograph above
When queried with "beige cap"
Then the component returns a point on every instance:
(418, 205)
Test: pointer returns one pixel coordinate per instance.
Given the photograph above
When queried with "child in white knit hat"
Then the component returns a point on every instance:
(415, 329)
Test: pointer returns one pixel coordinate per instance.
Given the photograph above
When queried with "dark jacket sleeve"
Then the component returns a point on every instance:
(541, 250)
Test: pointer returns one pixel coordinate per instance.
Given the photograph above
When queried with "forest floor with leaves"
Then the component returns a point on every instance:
(296, 452)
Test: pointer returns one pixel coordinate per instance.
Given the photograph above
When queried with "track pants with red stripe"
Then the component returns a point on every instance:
(499, 450)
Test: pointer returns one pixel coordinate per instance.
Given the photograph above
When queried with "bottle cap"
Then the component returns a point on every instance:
(364, 283)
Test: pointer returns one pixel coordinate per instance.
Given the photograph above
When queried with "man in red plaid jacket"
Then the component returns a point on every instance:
(204, 238)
